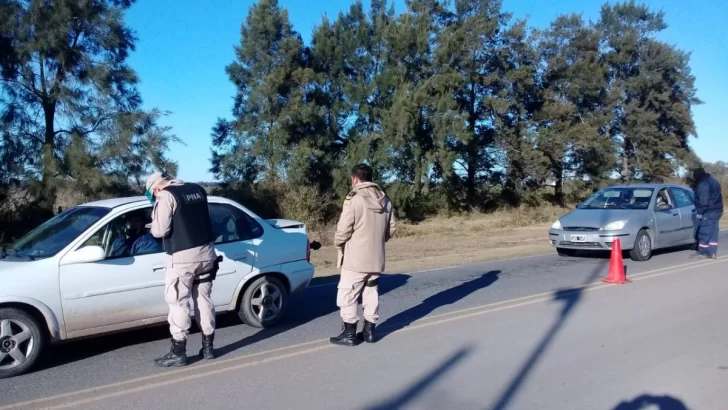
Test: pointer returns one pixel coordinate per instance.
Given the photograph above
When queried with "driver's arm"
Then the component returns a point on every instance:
(162, 215)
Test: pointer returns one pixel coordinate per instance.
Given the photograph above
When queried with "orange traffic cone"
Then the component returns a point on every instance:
(616, 265)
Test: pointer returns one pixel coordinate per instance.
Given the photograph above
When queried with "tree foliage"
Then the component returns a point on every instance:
(69, 107)
(456, 103)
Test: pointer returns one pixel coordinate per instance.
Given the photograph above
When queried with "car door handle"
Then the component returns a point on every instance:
(158, 268)
(240, 257)
(675, 214)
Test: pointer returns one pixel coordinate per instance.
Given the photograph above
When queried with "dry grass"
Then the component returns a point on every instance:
(441, 242)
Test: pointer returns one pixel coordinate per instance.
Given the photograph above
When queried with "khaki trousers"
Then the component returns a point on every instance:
(351, 286)
(177, 290)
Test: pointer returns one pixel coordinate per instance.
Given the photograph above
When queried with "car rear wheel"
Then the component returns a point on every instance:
(263, 303)
(566, 252)
(21, 342)
(642, 250)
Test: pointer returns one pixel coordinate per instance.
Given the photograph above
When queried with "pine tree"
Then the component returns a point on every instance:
(652, 92)
(65, 82)
(266, 73)
(409, 130)
(340, 57)
(573, 117)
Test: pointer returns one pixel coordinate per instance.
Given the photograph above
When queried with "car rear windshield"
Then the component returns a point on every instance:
(55, 234)
(619, 198)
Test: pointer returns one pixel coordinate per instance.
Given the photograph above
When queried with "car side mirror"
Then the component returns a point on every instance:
(87, 254)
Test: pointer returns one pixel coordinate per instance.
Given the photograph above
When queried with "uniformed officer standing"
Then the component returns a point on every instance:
(181, 217)
(709, 207)
(366, 223)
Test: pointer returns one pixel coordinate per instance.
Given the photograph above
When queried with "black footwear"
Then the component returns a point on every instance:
(176, 357)
(347, 337)
(206, 352)
(367, 333)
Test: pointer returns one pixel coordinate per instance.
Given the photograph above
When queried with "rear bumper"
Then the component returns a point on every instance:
(299, 274)
(594, 241)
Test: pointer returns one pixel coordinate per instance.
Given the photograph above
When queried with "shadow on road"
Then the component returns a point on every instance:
(312, 304)
(570, 298)
(446, 297)
(649, 402)
(411, 393)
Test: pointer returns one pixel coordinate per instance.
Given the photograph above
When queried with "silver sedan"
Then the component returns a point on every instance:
(644, 217)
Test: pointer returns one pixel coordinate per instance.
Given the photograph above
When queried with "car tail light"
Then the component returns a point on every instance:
(308, 251)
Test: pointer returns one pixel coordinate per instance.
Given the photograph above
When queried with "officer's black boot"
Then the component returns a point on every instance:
(367, 333)
(206, 352)
(176, 357)
(347, 337)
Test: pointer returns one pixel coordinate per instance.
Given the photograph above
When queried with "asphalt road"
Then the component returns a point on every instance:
(518, 334)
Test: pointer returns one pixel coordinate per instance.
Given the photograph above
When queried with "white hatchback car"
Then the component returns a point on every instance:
(95, 269)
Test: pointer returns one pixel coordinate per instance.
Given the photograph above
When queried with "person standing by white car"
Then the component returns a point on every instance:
(366, 224)
(181, 218)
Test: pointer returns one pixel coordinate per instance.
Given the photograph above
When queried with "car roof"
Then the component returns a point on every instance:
(115, 202)
(647, 185)
(119, 202)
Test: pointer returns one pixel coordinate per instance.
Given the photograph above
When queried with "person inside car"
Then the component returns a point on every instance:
(132, 230)
(146, 244)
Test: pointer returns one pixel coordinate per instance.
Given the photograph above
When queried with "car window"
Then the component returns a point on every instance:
(230, 224)
(682, 198)
(692, 196)
(127, 236)
(663, 197)
(58, 232)
(619, 198)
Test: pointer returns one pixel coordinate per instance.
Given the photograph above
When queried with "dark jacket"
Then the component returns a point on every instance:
(708, 196)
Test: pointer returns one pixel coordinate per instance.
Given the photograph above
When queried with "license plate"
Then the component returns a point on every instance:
(578, 238)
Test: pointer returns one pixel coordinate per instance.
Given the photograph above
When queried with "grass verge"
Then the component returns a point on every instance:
(442, 242)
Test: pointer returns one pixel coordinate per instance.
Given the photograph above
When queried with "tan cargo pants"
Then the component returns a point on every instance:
(351, 286)
(177, 290)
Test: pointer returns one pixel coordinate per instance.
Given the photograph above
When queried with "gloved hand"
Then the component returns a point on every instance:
(339, 257)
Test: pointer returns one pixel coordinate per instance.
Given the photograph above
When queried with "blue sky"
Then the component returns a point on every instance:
(184, 46)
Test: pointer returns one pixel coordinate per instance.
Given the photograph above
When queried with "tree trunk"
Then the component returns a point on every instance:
(559, 189)
(48, 187)
(559, 176)
(472, 168)
(418, 176)
(625, 159)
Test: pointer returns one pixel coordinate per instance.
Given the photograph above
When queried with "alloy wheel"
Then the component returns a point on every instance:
(16, 343)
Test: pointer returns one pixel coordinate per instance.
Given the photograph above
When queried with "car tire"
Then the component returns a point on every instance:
(17, 322)
(566, 252)
(642, 250)
(267, 294)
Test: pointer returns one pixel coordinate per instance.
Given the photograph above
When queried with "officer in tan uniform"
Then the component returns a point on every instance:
(366, 223)
(182, 219)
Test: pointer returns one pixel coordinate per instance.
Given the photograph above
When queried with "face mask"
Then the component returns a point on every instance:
(150, 196)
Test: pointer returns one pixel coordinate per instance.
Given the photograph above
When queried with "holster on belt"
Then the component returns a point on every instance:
(212, 272)
(339, 257)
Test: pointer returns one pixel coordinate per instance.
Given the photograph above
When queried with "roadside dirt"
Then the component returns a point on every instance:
(446, 242)
(435, 250)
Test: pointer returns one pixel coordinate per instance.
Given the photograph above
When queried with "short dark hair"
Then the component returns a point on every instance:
(363, 172)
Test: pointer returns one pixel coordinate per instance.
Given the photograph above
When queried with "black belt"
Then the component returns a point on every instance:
(212, 272)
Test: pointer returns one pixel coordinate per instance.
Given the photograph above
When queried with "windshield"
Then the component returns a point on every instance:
(619, 198)
(55, 234)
